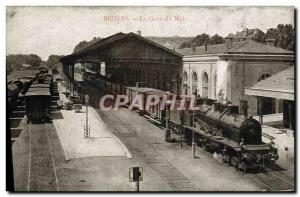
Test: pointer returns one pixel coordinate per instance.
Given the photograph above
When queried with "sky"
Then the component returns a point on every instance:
(56, 30)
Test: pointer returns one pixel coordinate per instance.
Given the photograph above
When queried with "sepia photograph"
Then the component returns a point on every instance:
(150, 99)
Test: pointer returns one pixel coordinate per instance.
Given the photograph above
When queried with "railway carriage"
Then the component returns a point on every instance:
(38, 98)
(12, 96)
(37, 105)
(154, 113)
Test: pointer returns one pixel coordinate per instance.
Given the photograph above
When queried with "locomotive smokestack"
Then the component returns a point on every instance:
(244, 107)
(217, 106)
(232, 109)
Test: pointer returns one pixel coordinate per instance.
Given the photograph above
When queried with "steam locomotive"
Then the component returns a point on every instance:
(216, 126)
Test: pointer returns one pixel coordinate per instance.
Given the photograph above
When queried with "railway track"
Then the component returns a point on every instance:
(41, 164)
(268, 180)
(272, 182)
(141, 148)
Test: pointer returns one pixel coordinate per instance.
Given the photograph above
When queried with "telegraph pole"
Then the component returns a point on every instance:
(86, 127)
(181, 126)
(193, 139)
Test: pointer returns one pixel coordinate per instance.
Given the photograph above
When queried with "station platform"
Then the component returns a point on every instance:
(70, 129)
(285, 143)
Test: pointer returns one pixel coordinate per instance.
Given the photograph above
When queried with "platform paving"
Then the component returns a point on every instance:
(101, 141)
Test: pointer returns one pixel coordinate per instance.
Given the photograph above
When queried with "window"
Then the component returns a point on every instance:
(185, 76)
(264, 76)
(194, 83)
(215, 85)
(205, 85)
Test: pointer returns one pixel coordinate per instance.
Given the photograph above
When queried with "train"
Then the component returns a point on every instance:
(37, 92)
(217, 126)
(38, 98)
(16, 90)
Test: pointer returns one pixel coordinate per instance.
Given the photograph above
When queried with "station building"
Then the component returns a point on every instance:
(280, 86)
(223, 71)
(127, 59)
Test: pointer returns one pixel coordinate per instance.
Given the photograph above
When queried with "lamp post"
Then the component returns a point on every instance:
(167, 118)
(181, 126)
(86, 126)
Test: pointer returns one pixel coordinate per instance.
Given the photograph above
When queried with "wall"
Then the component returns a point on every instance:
(131, 60)
(245, 73)
(200, 67)
(233, 76)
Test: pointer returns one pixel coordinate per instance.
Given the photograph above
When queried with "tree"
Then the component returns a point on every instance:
(33, 60)
(216, 39)
(200, 40)
(271, 33)
(284, 36)
(14, 62)
(53, 60)
(259, 36)
(185, 45)
(81, 45)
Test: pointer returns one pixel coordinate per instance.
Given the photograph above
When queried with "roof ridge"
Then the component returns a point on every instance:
(101, 40)
(238, 47)
(154, 43)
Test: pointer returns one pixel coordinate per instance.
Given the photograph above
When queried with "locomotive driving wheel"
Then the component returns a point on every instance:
(241, 166)
(203, 141)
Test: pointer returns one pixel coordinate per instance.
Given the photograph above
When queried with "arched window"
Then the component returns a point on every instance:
(215, 85)
(194, 83)
(185, 82)
(185, 76)
(264, 76)
(204, 85)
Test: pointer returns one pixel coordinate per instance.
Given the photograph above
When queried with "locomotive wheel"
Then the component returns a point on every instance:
(203, 143)
(204, 146)
(226, 158)
(234, 162)
(242, 166)
(204, 128)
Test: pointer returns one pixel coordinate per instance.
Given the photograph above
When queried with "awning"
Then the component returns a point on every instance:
(278, 86)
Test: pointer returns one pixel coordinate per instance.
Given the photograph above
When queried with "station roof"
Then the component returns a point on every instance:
(246, 46)
(279, 86)
(112, 39)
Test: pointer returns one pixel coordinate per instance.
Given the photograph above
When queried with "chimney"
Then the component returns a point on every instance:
(233, 109)
(139, 33)
(217, 106)
(193, 48)
(245, 32)
(271, 42)
(228, 42)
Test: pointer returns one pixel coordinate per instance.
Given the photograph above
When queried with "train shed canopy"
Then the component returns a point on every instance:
(105, 43)
(279, 86)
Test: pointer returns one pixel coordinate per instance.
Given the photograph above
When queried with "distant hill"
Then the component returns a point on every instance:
(170, 42)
